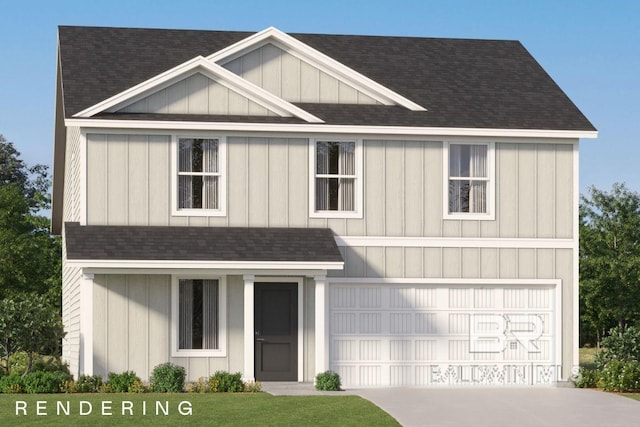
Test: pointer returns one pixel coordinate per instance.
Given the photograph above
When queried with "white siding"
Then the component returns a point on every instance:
(268, 184)
(292, 79)
(197, 94)
(71, 277)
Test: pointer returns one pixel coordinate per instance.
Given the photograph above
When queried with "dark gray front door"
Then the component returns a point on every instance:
(276, 331)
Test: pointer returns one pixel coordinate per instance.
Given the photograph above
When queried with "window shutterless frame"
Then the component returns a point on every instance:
(221, 174)
(489, 179)
(221, 351)
(357, 177)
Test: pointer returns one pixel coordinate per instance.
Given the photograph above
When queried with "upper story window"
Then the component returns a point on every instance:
(470, 181)
(199, 184)
(198, 319)
(336, 185)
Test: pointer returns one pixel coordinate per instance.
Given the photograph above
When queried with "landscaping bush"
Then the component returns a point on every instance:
(121, 383)
(44, 382)
(138, 387)
(621, 344)
(19, 361)
(620, 376)
(224, 382)
(69, 387)
(253, 387)
(167, 378)
(200, 386)
(587, 378)
(88, 383)
(328, 381)
(12, 383)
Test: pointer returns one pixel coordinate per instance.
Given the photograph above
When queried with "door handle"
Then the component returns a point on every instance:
(259, 339)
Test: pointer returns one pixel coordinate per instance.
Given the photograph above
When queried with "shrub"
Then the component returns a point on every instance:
(19, 361)
(253, 387)
(621, 344)
(69, 387)
(88, 384)
(224, 382)
(105, 388)
(121, 383)
(587, 378)
(167, 378)
(12, 383)
(328, 381)
(44, 382)
(620, 376)
(50, 364)
(200, 386)
(137, 387)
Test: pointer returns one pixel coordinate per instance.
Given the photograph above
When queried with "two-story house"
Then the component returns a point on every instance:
(401, 210)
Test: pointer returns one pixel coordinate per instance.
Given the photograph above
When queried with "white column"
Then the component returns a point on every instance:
(322, 338)
(86, 325)
(249, 354)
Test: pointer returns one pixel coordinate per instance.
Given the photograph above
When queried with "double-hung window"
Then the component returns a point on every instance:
(470, 181)
(336, 183)
(198, 317)
(200, 179)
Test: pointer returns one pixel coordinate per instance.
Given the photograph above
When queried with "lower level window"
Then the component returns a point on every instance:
(198, 313)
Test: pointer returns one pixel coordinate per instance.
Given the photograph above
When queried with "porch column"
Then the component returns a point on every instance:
(85, 364)
(249, 354)
(322, 337)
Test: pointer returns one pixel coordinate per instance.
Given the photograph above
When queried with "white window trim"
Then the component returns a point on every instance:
(222, 318)
(359, 177)
(490, 215)
(222, 171)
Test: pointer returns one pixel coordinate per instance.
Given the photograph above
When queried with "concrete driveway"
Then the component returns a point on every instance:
(513, 407)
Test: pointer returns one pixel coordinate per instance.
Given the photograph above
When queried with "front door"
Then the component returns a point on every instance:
(276, 331)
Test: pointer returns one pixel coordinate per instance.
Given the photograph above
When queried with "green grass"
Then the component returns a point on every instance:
(257, 409)
(587, 356)
(634, 396)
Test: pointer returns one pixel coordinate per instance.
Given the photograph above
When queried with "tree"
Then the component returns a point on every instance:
(30, 259)
(29, 323)
(609, 258)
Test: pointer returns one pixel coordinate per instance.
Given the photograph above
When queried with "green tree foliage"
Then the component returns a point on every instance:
(609, 259)
(28, 322)
(30, 259)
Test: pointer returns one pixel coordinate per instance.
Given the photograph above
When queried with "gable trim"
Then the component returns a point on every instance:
(319, 60)
(211, 70)
(246, 127)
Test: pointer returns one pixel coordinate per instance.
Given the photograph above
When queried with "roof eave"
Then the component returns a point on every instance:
(92, 123)
(59, 148)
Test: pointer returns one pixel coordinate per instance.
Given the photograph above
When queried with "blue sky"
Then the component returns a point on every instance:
(590, 48)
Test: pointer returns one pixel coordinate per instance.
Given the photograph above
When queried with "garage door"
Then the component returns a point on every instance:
(422, 335)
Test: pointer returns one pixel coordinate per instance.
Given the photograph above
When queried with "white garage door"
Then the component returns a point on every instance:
(422, 335)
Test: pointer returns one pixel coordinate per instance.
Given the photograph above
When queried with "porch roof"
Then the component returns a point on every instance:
(113, 244)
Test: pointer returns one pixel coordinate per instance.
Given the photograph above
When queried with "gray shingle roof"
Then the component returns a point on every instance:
(96, 242)
(462, 83)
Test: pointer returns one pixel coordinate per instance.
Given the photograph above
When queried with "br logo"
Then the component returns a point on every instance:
(490, 333)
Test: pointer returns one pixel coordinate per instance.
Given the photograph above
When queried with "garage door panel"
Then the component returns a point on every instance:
(420, 335)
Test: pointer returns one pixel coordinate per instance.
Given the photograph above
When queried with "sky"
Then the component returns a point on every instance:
(590, 48)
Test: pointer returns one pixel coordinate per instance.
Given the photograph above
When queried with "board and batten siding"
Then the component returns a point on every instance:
(71, 277)
(197, 94)
(292, 79)
(268, 183)
(132, 327)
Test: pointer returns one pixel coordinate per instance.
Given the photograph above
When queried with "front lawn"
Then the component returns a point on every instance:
(259, 409)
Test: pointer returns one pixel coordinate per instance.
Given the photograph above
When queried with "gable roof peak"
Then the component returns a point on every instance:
(317, 59)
